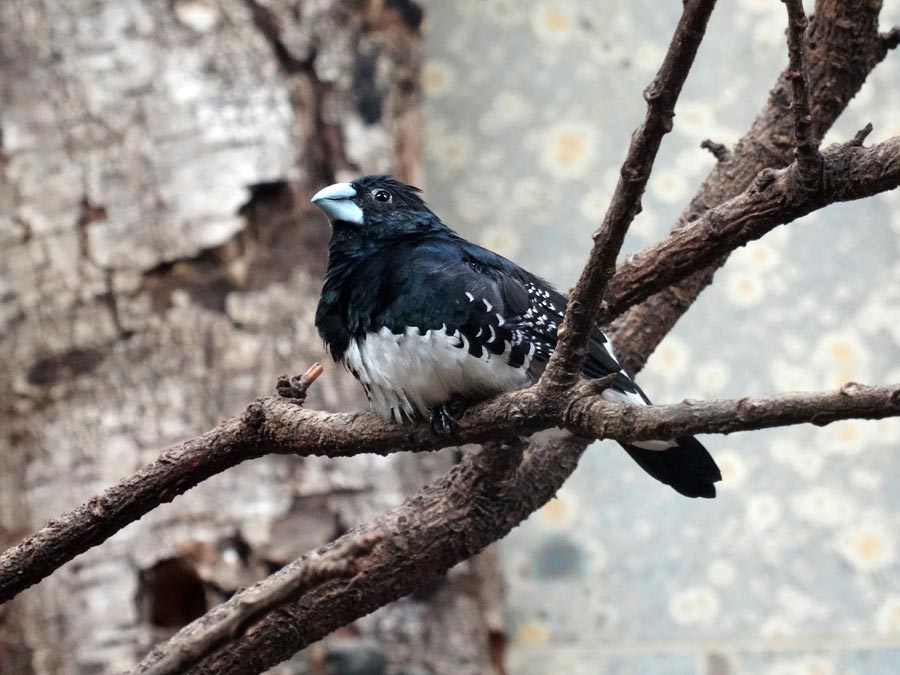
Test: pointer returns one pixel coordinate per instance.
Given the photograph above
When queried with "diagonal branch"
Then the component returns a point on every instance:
(476, 504)
(661, 96)
(848, 171)
(216, 627)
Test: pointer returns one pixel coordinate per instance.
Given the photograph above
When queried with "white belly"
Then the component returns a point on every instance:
(406, 375)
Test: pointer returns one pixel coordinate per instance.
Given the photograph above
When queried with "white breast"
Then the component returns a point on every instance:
(406, 375)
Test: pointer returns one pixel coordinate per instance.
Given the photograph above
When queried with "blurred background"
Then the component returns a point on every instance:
(160, 264)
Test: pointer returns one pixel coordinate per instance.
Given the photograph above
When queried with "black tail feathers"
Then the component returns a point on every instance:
(687, 467)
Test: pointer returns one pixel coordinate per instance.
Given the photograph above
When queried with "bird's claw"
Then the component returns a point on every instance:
(444, 417)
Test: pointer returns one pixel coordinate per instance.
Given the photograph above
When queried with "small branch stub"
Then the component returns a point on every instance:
(860, 137)
(718, 150)
(295, 388)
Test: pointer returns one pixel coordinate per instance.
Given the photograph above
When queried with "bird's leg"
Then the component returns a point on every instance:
(445, 415)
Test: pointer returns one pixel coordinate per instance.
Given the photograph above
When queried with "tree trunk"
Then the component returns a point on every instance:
(159, 268)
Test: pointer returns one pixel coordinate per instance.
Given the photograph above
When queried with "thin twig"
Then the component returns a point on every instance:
(295, 388)
(806, 150)
(860, 136)
(661, 96)
(890, 40)
(230, 620)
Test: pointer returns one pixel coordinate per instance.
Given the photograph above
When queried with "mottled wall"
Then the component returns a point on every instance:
(794, 568)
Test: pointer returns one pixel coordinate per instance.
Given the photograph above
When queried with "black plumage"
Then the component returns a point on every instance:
(424, 318)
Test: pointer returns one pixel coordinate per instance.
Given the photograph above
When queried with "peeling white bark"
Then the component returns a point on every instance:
(140, 303)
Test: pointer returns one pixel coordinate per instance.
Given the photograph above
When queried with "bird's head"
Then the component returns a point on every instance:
(377, 207)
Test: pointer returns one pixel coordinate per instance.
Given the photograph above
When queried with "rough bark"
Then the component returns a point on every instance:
(159, 268)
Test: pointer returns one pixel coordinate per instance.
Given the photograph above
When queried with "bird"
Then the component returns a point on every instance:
(430, 323)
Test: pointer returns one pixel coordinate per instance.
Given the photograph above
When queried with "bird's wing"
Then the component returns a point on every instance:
(493, 305)
(535, 311)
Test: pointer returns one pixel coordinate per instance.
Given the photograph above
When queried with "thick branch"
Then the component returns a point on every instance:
(661, 96)
(843, 46)
(446, 522)
(475, 504)
(198, 640)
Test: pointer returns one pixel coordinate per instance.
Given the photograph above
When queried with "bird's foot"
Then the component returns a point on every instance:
(444, 417)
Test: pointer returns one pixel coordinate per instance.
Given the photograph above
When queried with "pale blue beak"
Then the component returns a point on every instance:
(334, 200)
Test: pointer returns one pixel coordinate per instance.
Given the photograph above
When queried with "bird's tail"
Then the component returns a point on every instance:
(687, 466)
(682, 462)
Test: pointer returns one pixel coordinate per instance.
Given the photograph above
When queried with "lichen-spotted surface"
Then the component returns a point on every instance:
(523, 141)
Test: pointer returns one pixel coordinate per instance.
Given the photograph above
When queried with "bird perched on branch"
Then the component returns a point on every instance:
(429, 322)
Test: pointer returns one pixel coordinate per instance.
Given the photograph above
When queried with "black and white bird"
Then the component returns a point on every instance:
(429, 322)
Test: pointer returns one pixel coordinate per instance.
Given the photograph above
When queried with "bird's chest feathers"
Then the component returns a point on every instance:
(406, 374)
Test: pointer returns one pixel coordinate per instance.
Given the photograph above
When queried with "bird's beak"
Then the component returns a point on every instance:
(335, 201)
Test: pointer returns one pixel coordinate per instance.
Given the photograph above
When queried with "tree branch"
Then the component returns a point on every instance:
(488, 494)
(200, 638)
(661, 96)
(267, 426)
(848, 171)
(806, 145)
(847, 48)
(596, 418)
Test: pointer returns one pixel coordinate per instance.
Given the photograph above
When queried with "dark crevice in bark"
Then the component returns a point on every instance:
(90, 213)
(369, 97)
(65, 365)
(171, 593)
(411, 13)
(324, 153)
(268, 24)
(282, 235)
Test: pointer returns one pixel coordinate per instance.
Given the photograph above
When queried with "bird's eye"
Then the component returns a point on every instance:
(381, 195)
